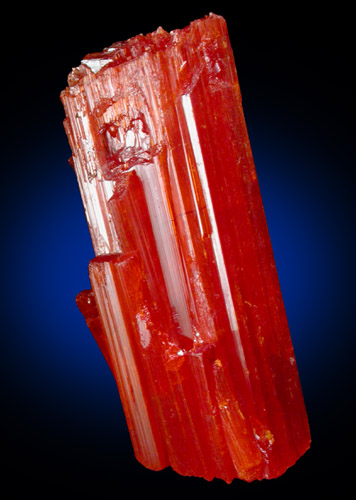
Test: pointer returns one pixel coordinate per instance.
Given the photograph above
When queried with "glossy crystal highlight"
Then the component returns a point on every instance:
(185, 302)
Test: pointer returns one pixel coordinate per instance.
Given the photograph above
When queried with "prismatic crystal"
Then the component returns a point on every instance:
(185, 303)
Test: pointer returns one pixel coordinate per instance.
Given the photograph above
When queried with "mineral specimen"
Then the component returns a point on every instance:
(185, 302)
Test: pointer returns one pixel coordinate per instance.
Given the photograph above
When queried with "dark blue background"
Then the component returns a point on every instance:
(63, 425)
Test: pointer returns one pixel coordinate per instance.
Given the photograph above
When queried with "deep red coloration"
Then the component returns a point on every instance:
(185, 302)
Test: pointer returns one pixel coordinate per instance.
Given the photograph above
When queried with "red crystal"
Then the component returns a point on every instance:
(185, 303)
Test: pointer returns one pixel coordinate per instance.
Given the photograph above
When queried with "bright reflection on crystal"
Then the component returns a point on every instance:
(95, 65)
(185, 302)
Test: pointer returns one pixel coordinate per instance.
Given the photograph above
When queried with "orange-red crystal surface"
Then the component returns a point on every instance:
(185, 302)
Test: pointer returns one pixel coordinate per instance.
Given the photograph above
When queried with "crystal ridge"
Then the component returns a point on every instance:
(185, 303)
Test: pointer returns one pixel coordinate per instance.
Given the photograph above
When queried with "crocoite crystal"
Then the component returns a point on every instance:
(185, 302)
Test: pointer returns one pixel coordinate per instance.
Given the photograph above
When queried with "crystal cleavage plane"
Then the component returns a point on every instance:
(185, 303)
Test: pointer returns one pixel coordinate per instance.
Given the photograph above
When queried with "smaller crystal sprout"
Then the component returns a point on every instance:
(185, 303)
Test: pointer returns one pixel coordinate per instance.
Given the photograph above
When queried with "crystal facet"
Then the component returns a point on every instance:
(185, 303)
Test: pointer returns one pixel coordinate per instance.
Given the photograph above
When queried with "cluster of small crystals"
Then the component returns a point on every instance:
(185, 301)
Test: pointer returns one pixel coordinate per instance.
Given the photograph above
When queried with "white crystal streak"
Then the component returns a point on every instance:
(168, 251)
(95, 65)
(220, 262)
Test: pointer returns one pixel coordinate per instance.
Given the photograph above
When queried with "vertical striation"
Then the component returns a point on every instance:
(185, 302)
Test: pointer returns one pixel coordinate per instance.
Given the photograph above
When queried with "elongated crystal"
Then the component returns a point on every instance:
(185, 302)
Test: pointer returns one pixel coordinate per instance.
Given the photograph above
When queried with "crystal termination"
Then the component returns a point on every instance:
(185, 303)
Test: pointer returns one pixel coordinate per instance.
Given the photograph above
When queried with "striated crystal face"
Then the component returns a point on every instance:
(185, 302)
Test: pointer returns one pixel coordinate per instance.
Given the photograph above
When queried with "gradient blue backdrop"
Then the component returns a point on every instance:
(63, 423)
